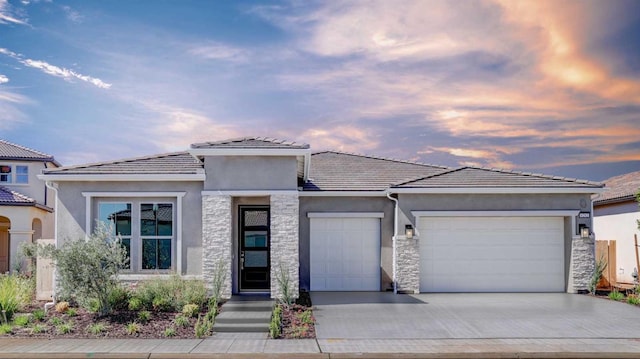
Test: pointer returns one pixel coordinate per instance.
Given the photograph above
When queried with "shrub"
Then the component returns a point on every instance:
(275, 326)
(633, 299)
(55, 321)
(615, 295)
(119, 298)
(72, 312)
(190, 310)
(21, 320)
(170, 332)
(16, 292)
(88, 269)
(171, 294)
(97, 328)
(62, 307)
(135, 304)
(92, 305)
(38, 315)
(601, 265)
(6, 329)
(203, 327)
(181, 321)
(65, 328)
(133, 328)
(38, 328)
(144, 316)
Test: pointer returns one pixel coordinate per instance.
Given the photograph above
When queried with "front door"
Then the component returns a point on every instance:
(4, 250)
(254, 248)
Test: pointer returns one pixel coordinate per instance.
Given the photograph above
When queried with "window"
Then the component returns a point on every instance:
(22, 174)
(5, 174)
(156, 231)
(118, 217)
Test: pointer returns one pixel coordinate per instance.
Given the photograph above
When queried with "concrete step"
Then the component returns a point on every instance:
(240, 328)
(248, 306)
(244, 317)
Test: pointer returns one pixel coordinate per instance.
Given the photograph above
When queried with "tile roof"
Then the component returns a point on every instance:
(620, 188)
(340, 171)
(491, 178)
(251, 142)
(10, 197)
(168, 163)
(12, 151)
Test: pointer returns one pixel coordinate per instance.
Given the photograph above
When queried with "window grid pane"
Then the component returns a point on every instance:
(22, 174)
(5, 173)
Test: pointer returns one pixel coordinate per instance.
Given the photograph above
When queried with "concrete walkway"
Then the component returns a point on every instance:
(217, 347)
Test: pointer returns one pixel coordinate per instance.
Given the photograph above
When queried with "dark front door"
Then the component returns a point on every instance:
(254, 248)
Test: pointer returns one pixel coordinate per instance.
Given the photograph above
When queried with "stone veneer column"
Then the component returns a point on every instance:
(407, 265)
(582, 264)
(284, 241)
(216, 239)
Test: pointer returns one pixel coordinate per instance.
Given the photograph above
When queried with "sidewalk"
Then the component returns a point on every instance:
(234, 346)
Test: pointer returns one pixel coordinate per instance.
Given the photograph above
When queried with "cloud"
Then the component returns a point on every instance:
(55, 70)
(3, 79)
(9, 16)
(10, 113)
(219, 51)
(72, 14)
(347, 138)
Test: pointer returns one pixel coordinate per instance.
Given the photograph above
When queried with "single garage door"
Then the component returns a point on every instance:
(345, 254)
(491, 254)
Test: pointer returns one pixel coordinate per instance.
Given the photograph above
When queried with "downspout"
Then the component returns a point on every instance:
(393, 241)
(55, 243)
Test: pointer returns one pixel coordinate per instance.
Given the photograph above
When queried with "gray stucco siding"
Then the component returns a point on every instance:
(72, 212)
(347, 204)
(251, 173)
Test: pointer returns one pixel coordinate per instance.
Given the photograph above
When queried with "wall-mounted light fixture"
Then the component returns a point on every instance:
(408, 231)
(584, 232)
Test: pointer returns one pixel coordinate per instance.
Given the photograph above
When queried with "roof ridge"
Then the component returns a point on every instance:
(450, 170)
(539, 175)
(26, 148)
(130, 159)
(381, 158)
(251, 138)
(18, 194)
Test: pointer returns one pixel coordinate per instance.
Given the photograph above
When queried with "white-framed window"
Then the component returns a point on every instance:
(22, 174)
(156, 233)
(5, 174)
(118, 217)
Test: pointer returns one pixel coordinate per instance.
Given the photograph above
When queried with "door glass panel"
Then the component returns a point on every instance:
(254, 259)
(256, 218)
(255, 239)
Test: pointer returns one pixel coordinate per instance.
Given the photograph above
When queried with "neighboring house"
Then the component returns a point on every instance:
(332, 221)
(26, 205)
(616, 213)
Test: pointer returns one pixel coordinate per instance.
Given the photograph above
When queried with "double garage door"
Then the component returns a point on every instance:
(457, 254)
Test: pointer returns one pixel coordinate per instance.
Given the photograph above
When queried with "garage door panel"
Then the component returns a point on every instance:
(490, 254)
(345, 254)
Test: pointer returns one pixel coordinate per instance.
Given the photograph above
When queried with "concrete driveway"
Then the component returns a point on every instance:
(377, 315)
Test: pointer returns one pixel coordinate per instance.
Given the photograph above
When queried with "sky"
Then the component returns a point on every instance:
(542, 86)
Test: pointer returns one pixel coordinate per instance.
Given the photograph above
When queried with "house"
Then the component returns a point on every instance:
(616, 213)
(26, 205)
(332, 221)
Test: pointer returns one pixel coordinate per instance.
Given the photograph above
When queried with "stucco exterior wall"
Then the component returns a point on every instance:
(348, 204)
(71, 213)
(619, 223)
(251, 173)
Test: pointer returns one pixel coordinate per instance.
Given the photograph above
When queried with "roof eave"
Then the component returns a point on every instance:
(494, 190)
(200, 177)
(622, 199)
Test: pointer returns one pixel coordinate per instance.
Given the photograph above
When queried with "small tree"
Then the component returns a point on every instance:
(638, 200)
(88, 269)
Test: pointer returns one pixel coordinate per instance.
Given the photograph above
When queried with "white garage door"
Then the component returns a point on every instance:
(345, 254)
(491, 254)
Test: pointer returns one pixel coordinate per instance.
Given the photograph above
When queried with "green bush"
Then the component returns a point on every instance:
(633, 299)
(275, 326)
(171, 294)
(88, 269)
(21, 320)
(16, 292)
(55, 321)
(6, 329)
(135, 304)
(97, 328)
(133, 328)
(203, 327)
(170, 332)
(190, 310)
(65, 328)
(38, 315)
(181, 321)
(615, 295)
(72, 312)
(144, 316)
(119, 298)
(38, 328)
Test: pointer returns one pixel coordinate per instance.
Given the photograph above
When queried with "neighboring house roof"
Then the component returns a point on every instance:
(619, 189)
(493, 178)
(13, 152)
(10, 197)
(340, 171)
(168, 163)
(251, 142)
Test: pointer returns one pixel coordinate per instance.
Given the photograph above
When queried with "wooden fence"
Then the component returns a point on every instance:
(606, 250)
(44, 274)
